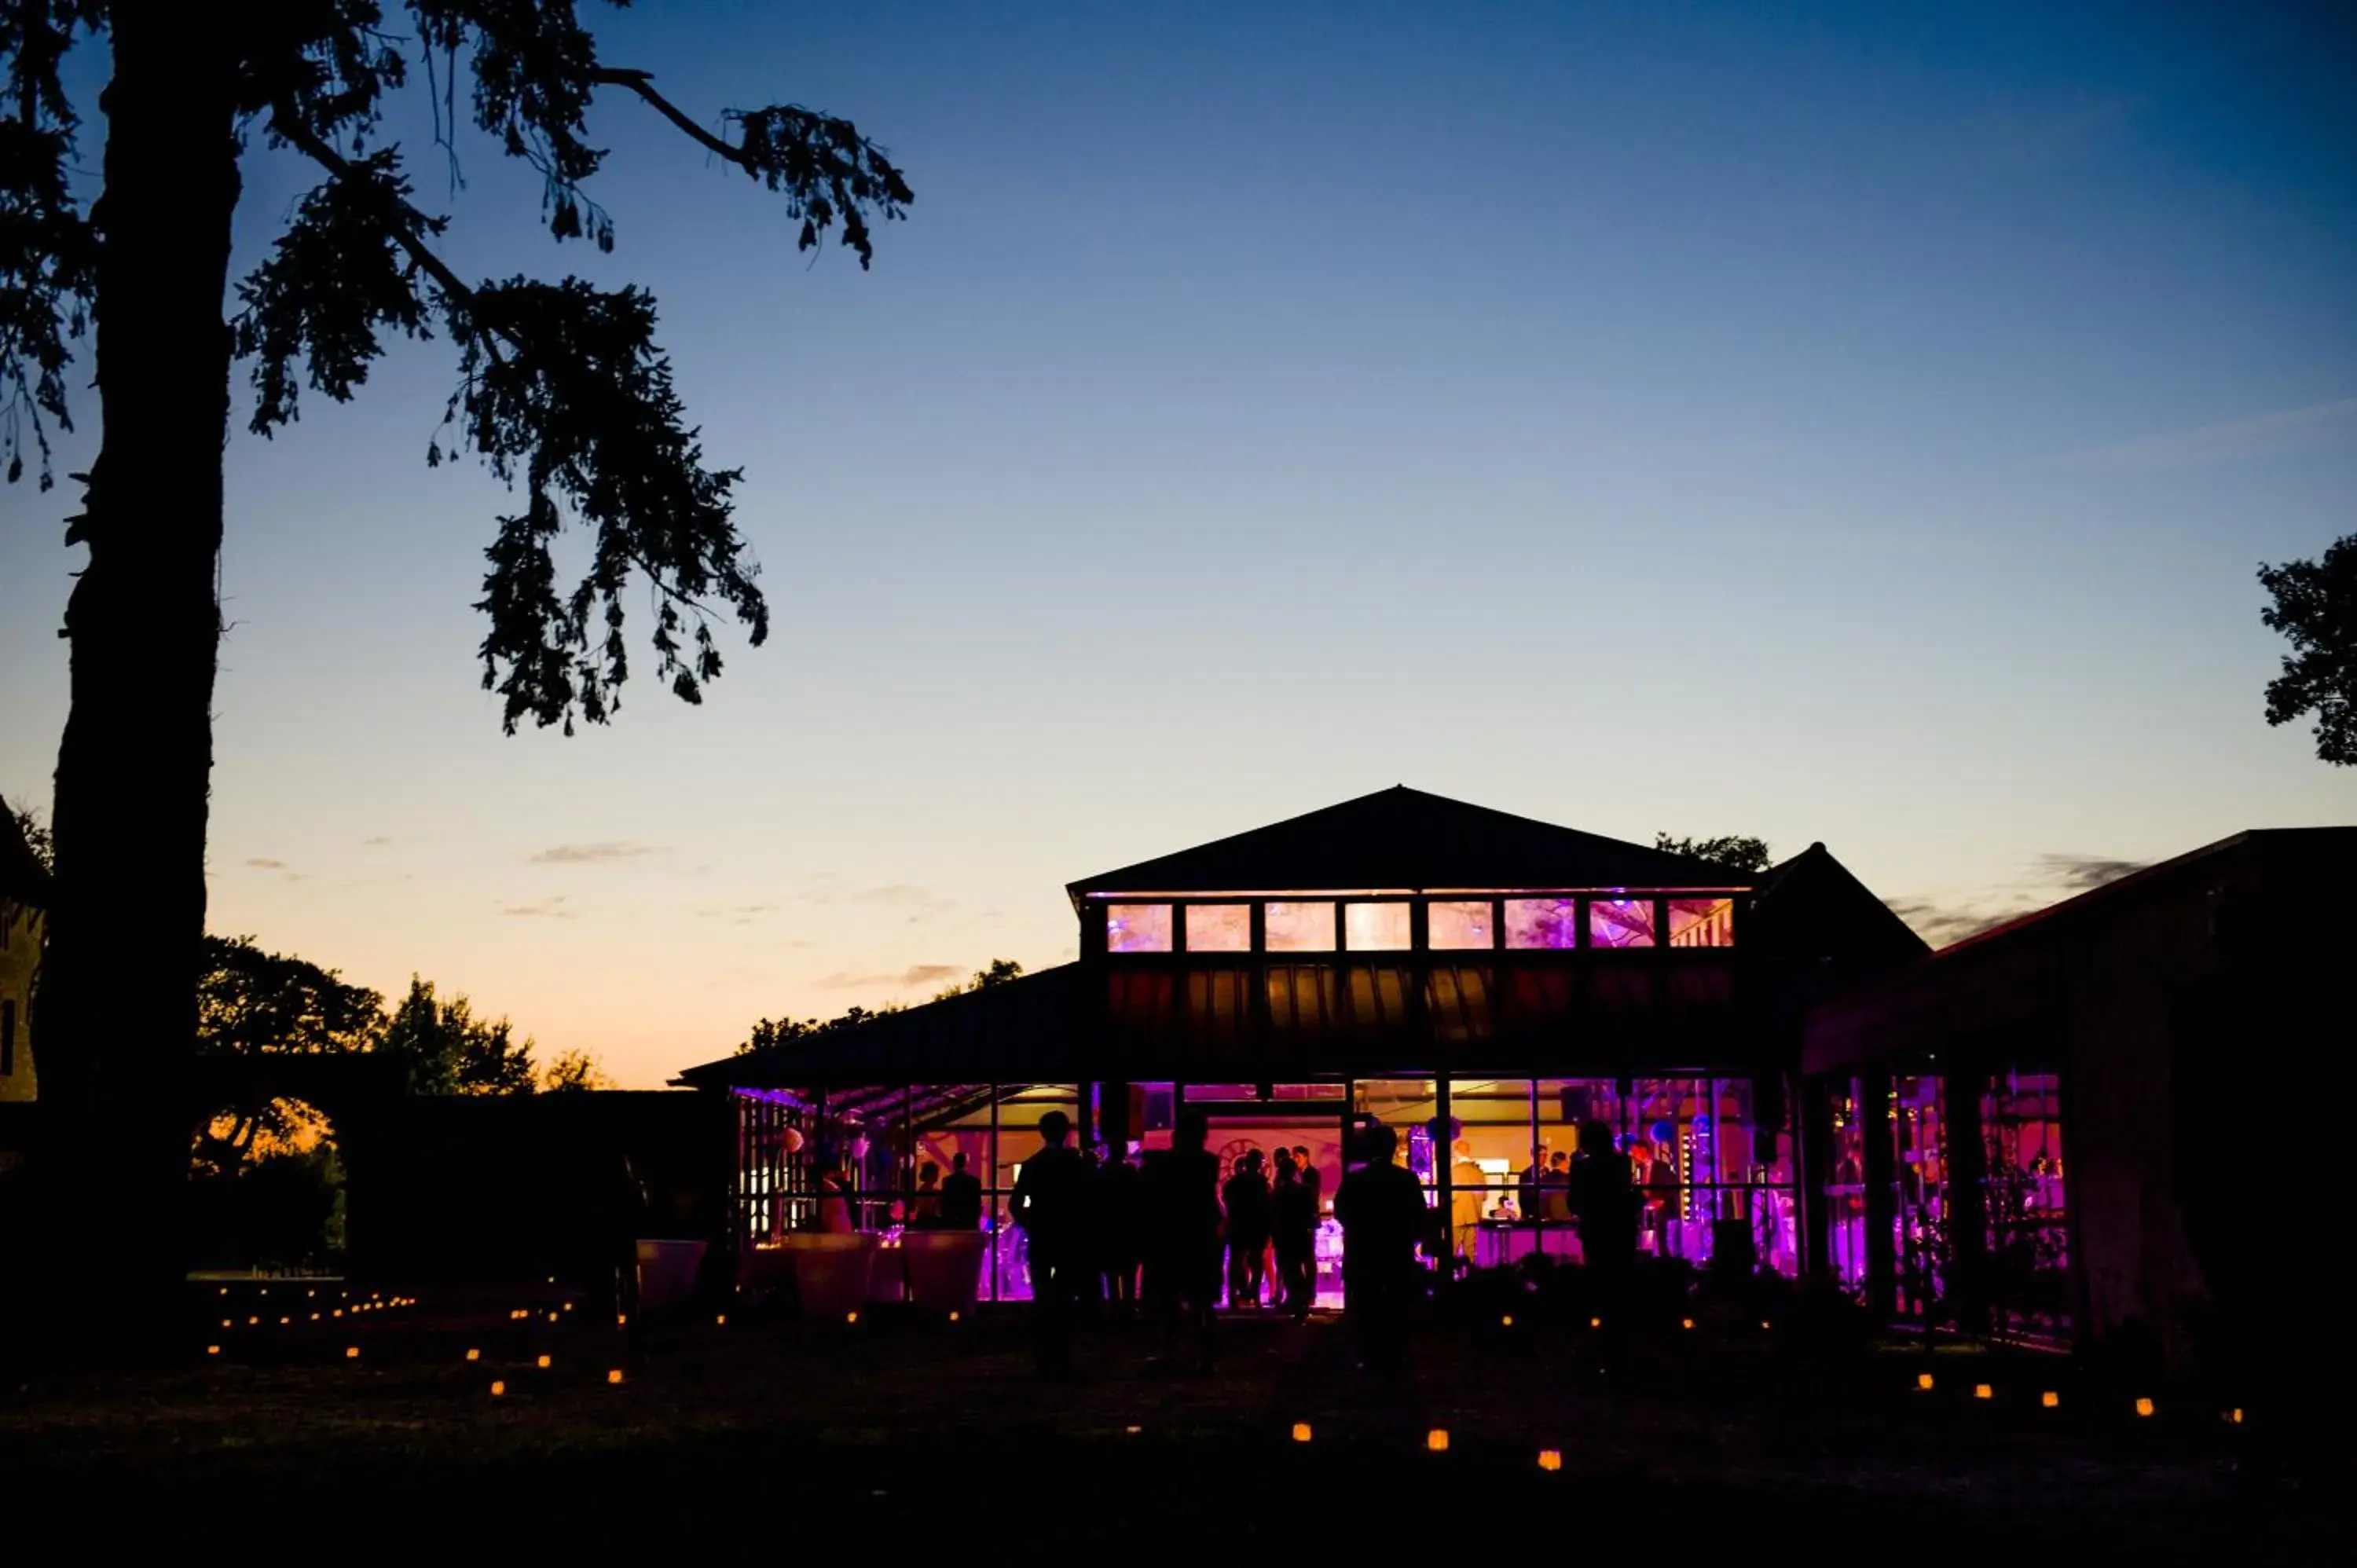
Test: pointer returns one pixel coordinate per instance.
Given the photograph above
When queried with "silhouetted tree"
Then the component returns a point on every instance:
(560, 390)
(249, 1001)
(575, 1072)
(1000, 971)
(445, 1049)
(1735, 852)
(35, 833)
(2316, 609)
(773, 1032)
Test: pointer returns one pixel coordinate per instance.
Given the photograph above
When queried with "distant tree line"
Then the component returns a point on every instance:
(771, 1033)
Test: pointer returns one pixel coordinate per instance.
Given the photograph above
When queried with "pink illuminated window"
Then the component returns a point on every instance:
(1219, 928)
(1454, 926)
(1542, 923)
(1301, 927)
(1376, 928)
(1620, 923)
(1701, 923)
(1137, 927)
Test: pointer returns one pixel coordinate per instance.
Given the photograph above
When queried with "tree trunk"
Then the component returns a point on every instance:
(118, 1000)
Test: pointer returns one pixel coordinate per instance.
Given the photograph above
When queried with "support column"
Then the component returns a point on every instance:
(1874, 1131)
(1967, 1158)
(1444, 1175)
(1814, 1175)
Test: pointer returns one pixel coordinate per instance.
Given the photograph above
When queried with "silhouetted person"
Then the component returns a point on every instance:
(1468, 1188)
(960, 1197)
(624, 1215)
(1555, 1188)
(1380, 1206)
(1116, 1227)
(1182, 1239)
(1246, 1195)
(925, 1213)
(1293, 1222)
(1527, 1183)
(834, 1215)
(1311, 1178)
(1604, 1200)
(1049, 1203)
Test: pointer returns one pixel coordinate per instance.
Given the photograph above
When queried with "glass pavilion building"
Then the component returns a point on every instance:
(1479, 981)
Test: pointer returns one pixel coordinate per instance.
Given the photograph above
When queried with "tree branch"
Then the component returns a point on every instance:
(642, 83)
(288, 127)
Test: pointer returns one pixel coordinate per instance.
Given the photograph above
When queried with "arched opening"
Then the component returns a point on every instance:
(266, 1191)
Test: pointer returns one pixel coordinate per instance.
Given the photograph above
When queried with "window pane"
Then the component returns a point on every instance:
(1301, 927)
(1374, 927)
(1620, 923)
(1701, 923)
(1137, 927)
(1460, 926)
(1219, 928)
(1542, 923)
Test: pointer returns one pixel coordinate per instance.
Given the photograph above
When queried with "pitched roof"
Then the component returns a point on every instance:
(1404, 839)
(1812, 909)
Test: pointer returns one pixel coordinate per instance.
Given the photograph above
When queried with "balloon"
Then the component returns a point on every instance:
(1665, 1132)
(793, 1140)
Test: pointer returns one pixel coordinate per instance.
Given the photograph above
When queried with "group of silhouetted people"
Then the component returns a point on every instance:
(1100, 1231)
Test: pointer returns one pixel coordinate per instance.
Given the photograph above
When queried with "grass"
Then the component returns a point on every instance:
(894, 1436)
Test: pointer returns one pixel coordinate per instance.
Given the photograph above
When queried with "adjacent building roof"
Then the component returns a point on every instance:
(1406, 840)
(2023, 986)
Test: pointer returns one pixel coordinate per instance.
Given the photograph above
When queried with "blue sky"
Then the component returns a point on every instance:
(1856, 424)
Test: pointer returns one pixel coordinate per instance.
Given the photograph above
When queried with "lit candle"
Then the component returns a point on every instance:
(2049, 1399)
(1507, 1321)
(474, 1354)
(1300, 1431)
(1982, 1391)
(2144, 1407)
(1923, 1380)
(542, 1363)
(497, 1389)
(1685, 1323)
(614, 1376)
(212, 1349)
(1550, 1459)
(721, 1319)
(351, 1353)
(1437, 1440)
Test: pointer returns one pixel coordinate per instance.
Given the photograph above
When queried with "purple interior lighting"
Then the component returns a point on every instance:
(1620, 923)
(1542, 923)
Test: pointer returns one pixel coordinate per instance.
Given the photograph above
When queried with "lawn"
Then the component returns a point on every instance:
(930, 1442)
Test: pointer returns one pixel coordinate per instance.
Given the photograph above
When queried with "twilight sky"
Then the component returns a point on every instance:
(1861, 424)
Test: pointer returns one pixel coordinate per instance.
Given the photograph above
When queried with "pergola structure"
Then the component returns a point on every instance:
(1482, 981)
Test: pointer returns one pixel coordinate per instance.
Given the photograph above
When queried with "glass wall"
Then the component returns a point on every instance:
(2026, 1204)
(1300, 927)
(1531, 922)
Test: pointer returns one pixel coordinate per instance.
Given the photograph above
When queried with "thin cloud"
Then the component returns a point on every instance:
(378, 842)
(595, 854)
(915, 974)
(740, 915)
(1942, 924)
(2080, 872)
(263, 862)
(2232, 440)
(543, 908)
